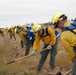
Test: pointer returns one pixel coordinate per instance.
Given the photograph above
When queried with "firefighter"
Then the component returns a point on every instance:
(68, 35)
(50, 45)
(12, 32)
(27, 37)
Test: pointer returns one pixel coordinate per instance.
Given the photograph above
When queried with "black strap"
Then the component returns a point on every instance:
(47, 34)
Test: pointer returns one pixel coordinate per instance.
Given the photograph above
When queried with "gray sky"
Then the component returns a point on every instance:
(14, 12)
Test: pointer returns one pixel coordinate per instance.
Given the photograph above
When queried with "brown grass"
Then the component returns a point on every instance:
(28, 66)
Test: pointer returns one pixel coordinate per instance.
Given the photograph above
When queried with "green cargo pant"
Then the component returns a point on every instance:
(29, 44)
(13, 35)
(74, 68)
(44, 55)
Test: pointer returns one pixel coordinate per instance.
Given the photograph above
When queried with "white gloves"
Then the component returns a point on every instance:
(33, 53)
(49, 47)
(24, 46)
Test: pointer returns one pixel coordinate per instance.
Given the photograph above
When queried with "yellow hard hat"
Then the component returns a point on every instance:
(36, 28)
(20, 26)
(56, 18)
(12, 26)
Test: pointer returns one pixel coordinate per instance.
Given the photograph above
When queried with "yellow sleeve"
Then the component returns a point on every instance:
(36, 42)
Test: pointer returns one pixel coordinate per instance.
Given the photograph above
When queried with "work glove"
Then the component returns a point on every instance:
(49, 47)
(33, 52)
(24, 46)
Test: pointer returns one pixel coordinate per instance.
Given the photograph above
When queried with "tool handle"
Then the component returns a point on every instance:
(10, 62)
(22, 57)
(16, 54)
(19, 52)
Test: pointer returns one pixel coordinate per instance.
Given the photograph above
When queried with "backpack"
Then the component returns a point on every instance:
(30, 35)
(71, 27)
(47, 34)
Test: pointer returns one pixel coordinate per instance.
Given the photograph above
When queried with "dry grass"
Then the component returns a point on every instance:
(27, 66)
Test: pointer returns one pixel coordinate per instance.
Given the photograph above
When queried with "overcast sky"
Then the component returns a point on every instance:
(19, 12)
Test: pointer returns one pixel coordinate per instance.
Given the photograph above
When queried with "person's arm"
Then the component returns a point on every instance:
(36, 42)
